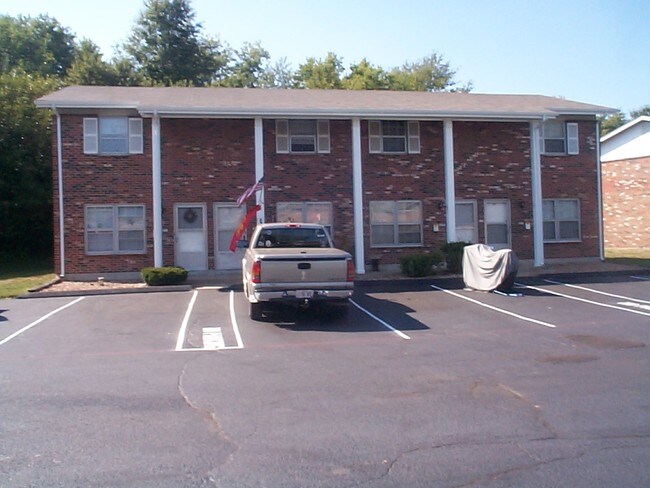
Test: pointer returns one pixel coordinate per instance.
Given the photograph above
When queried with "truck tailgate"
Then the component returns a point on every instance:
(308, 267)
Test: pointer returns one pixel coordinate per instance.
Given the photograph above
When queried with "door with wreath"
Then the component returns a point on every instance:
(190, 237)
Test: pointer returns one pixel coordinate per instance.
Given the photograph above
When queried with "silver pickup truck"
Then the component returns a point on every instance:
(294, 263)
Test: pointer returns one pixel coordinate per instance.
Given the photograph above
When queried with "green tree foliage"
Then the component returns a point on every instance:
(167, 48)
(39, 46)
(365, 76)
(89, 68)
(609, 123)
(320, 73)
(645, 110)
(25, 165)
(277, 75)
(431, 73)
(249, 67)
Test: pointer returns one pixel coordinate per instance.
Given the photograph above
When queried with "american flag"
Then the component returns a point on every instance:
(250, 191)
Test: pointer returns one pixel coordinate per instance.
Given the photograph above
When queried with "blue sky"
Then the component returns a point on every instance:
(593, 51)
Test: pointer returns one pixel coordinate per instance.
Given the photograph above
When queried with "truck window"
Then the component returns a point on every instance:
(289, 237)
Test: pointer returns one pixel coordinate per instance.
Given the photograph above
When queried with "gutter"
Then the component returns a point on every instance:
(601, 231)
(59, 162)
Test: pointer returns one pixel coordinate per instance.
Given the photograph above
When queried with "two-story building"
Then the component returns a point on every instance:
(151, 176)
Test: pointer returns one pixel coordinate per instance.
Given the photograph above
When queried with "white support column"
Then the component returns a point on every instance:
(156, 171)
(536, 188)
(357, 185)
(601, 235)
(259, 164)
(450, 189)
(59, 167)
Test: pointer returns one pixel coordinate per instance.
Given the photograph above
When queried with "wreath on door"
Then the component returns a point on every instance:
(190, 216)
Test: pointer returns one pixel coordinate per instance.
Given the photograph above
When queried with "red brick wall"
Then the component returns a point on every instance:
(93, 179)
(575, 177)
(204, 161)
(406, 177)
(493, 161)
(626, 203)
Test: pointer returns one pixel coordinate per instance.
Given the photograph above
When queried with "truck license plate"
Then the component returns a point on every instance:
(304, 293)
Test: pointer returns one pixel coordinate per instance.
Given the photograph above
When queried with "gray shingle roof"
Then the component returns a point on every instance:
(243, 102)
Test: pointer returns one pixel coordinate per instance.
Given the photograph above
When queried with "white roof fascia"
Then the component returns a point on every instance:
(623, 128)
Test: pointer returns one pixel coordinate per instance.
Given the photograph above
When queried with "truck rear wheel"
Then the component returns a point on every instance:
(255, 310)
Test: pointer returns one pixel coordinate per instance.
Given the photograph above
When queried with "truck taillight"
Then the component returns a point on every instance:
(351, 271)
(256, 272)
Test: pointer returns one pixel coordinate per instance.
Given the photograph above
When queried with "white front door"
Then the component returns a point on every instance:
(497, 223)
(226, 219)
(190, 238)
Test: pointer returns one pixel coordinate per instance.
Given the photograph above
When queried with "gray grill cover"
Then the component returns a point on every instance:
(485, 269)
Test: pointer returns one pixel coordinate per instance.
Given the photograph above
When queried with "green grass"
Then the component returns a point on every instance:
(19, 275)
(632, 257)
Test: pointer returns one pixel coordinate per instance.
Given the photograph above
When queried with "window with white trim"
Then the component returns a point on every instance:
(466, 221)
(561, 220)
(307, 212)
(394, 136)
(302, 136)
(113, 135)
(559, 137)
(396, 223)
(115, 229)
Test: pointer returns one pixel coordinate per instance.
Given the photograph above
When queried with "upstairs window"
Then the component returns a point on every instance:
(559, 138)
(112, 135)
(561, 220)
(394, 136)
(302, 136)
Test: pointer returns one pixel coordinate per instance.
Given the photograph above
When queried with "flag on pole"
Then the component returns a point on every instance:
(250, 191)
(241, 228)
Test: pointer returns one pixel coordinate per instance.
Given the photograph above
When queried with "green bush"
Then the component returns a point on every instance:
(421, 264)
(454, 255)
(167, 275)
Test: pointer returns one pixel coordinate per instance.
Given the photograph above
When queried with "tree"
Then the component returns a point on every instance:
(25, 165)
(365, 76)
(645, 110)
(431, 73)
(278, 75)
(89, 68)
(317, 73)
(250, 64)
(167, 48)
(39, 46)
(612, 122)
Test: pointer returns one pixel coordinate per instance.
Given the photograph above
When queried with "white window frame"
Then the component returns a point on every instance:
(115, 230)
(92, 136)
(474, 226)
(285, 137)
(557, 222)
(396, 224)
(304, 210)
(377, 136)
(570, 138)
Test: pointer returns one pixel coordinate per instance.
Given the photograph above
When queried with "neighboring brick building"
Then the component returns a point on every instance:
(150, 176)
(625, 163)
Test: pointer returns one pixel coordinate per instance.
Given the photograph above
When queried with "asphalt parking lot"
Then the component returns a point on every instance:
(421, 383)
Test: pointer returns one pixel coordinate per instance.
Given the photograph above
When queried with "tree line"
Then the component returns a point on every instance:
(166, 47)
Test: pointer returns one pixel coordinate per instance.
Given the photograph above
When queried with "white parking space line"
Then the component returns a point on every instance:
(186, 320)
(582, 300)
(642, 278)
(385, 324)
(36, 322)
(598, 292)
(212, 336)
(496, 309)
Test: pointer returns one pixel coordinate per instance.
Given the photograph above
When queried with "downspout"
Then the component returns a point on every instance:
(259, 165)
(357, 186)
(536, 189)
(156, 172)
(601, 231)
(450, 187)
(59, 163)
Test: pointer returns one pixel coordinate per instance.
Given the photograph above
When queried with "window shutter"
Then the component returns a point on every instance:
(573, 143)
(135, 136)
(282, 136)
(414, 137)
(91, 136)
(323, 129)
(374, 136)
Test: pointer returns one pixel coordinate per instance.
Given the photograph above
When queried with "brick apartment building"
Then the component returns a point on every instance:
(626, 185)
(150, 176)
